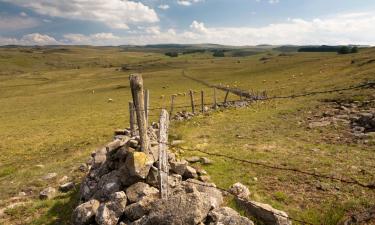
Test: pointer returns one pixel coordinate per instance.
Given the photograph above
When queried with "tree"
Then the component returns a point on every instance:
(219, 54)
(354, 49)
(172, 54)
(344, 50)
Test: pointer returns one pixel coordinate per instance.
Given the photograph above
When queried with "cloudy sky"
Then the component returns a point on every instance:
(231, 22)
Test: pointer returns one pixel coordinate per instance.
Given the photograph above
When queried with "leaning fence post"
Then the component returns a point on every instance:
(226, 97)
(132, 119)
(147, 104)
(215, 99)
(192, 101)
(172, 104)
(202, 101)
(163, 156)
(136, 84)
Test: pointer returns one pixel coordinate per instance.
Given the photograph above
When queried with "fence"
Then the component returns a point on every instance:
(140, 109)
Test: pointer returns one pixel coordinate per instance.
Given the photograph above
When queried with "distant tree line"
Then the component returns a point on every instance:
(326, 48)
(172, 54)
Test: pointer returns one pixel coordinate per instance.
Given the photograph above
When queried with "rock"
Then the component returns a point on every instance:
(138, 191)
(66, 187)
(85, 213)
(133, 143)
(239, 190)
(214, 196)
(108, 184)
(190, 172)
(319, 124)
(110, 212)
(205, 178)
(47, 193)
(22, 194)
(40, 166)
(193, 159)
(100, 157)
(177, 142)
(63, 179)
(83, 167)
(50, 176)
(264, 212)
(179, 167)
(139, 164)
(137, 210)
(153, 177)
(182, 208)
(205, 161)
(227, 216)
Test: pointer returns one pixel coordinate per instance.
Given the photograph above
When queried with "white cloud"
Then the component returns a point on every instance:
(273, 1)
(350, 28)
(114, 13)
(198, 27)
(17, 22)
(93, 39)
(164, 7)
(30, 39)
(188, 2)
(23, 14)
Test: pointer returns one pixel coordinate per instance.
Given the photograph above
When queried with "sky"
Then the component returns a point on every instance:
(228, 22)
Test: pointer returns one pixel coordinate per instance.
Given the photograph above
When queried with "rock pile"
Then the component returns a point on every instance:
(121, 187)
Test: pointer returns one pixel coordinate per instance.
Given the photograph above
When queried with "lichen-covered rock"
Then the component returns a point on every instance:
(179, 167)
(239, 190)
(66, 187)
(190, 172)
(214, 196)
(110, 212)
(153, 177)
(139, 164)
(227, 216)
(47, 193)
(85, 213)
(108, 184)
(138, 191)
(137, 210)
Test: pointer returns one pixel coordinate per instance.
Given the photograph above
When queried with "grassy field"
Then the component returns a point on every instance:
(54, 112)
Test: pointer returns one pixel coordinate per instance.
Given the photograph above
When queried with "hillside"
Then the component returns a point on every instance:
(55, 112)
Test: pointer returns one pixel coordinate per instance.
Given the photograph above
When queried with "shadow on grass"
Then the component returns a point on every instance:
(60, 210)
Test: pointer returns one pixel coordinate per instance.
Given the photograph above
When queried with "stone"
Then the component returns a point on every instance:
(137, 210)
(100, 157)
(190, 172)
(110, 212)
(179, 167)
(206, 161)
(108, 184)
(227, 216)
(66, 187)
(139, 164)
(153, 177)
(213, 195)
(239, 190)
(50, 176)
(182, 208)
(85, 213)
(205, 178)
(47, 193)
(264, 212)
(177, 142)
(83, 167)
(138, 191)
(193, 159)
(133, 143)
(63, 179)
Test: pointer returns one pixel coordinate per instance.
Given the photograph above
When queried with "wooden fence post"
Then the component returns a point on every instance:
(163, 156)
(202, 101)
(147, 104)
(172, 104)
(215, 99)
(132, 119)
(226, 97)
(136, 84)
(192, 101)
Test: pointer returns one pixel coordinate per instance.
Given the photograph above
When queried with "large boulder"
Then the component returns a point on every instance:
(110, 212)
(239, 190)
(138, 191)
(179, 209)
(85, 213)
(227, 216)
(264, 212)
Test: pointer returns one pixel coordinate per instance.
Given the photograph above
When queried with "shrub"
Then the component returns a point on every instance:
(172, 54)
(344, 50)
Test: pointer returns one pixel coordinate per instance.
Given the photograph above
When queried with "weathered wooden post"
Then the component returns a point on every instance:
(215, 99)
(202, 101)
(192, 101)
(163, 156)
(172, 104)
(136, 84)
(147, 104)
(132, 119)
(226, 97)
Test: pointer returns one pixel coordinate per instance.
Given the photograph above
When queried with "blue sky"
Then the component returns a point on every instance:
(232, 22)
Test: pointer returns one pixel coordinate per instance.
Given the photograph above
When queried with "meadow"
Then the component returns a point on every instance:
(54, 112)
